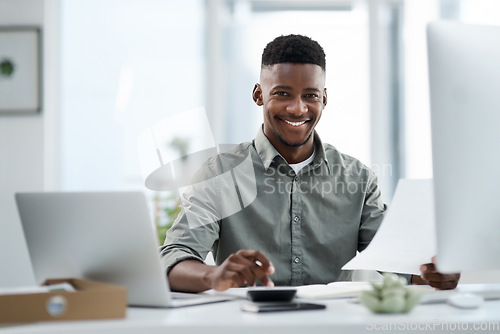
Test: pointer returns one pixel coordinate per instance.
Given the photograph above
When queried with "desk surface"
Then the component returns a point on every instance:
(340, 316)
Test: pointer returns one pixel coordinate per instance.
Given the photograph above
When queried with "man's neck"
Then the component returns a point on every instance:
(295, 155)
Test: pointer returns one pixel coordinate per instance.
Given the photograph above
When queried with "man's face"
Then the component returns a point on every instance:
(293, 97)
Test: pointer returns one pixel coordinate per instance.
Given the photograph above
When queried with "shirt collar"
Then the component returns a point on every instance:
(265, 149)
(320, 153)
(268, 153)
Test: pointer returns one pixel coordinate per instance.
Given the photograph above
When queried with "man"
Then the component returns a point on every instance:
(284, 208)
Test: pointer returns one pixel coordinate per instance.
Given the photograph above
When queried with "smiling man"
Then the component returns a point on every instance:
(293, 96)
(314, 207)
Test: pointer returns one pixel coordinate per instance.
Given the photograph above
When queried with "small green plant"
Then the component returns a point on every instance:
(392, 296)
(6, 67)
(167, 205)
(181, 145)
(166, 210)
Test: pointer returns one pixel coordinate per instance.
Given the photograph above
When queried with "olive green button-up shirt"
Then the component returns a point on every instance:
(309, 225)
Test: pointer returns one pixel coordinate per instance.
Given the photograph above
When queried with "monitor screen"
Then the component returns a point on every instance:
(464, 74)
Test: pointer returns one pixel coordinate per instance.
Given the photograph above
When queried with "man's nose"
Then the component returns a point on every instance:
(297, 107)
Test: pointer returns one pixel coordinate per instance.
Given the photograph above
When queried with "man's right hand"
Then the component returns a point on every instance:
(244, 267)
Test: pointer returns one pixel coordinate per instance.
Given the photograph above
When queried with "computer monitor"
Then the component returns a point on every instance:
(464, 73)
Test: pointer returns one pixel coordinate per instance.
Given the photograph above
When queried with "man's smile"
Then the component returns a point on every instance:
(295, 124)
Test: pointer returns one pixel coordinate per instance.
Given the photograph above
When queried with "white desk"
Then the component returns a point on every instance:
(341, 316)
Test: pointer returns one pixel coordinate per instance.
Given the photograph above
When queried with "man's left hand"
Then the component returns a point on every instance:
(430, 275)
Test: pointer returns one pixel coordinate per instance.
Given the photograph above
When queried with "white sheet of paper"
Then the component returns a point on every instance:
(332, 290)
(18, 290)
(406, 238)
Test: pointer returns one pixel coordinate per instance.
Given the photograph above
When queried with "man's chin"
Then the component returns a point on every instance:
(294, 143)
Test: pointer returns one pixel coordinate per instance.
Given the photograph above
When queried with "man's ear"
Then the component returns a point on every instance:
(324, 98)
(257, 95)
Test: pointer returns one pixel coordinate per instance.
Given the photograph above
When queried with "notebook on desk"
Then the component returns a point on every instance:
(103, 236)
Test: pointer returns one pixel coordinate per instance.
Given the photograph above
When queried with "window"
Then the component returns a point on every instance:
(418, 158)
(125, 66)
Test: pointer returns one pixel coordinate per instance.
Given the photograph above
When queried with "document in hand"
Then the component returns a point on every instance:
(406, 238)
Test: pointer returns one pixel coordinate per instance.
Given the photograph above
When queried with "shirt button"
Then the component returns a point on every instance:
(296, 218)
(296, 260)
(297, 178)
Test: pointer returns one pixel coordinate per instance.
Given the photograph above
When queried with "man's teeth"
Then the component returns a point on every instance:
(294, 123)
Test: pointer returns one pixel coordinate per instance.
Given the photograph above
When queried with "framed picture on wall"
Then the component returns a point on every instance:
(20, 70)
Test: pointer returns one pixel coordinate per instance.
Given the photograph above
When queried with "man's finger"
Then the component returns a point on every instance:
(261, 274)
(428, 268)
(248, 269)
(430, 272)
(259, 258)
(243, 262)
(435, 277)
(260, 265)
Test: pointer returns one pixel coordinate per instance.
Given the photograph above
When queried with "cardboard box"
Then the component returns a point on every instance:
(92, 300)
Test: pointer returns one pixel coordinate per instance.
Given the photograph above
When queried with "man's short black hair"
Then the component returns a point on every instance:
(293, 49)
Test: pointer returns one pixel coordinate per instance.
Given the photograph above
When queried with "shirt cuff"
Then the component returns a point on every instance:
(174, 257)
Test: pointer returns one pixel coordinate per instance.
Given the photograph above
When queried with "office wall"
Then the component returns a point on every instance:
(21, 159)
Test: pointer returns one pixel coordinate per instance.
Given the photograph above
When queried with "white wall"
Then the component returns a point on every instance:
(21, 159)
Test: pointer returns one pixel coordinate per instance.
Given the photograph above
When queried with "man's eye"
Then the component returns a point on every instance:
(312, 96)
(281, 93)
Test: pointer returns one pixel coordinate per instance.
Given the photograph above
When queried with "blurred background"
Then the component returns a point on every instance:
(114, 68)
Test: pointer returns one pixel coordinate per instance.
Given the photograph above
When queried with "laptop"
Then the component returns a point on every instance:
(101, 236)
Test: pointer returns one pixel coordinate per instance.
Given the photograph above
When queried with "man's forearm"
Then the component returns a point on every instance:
(190, 276)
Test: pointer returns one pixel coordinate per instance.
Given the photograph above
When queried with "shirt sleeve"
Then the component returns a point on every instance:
(197, 226)
(372, 213)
